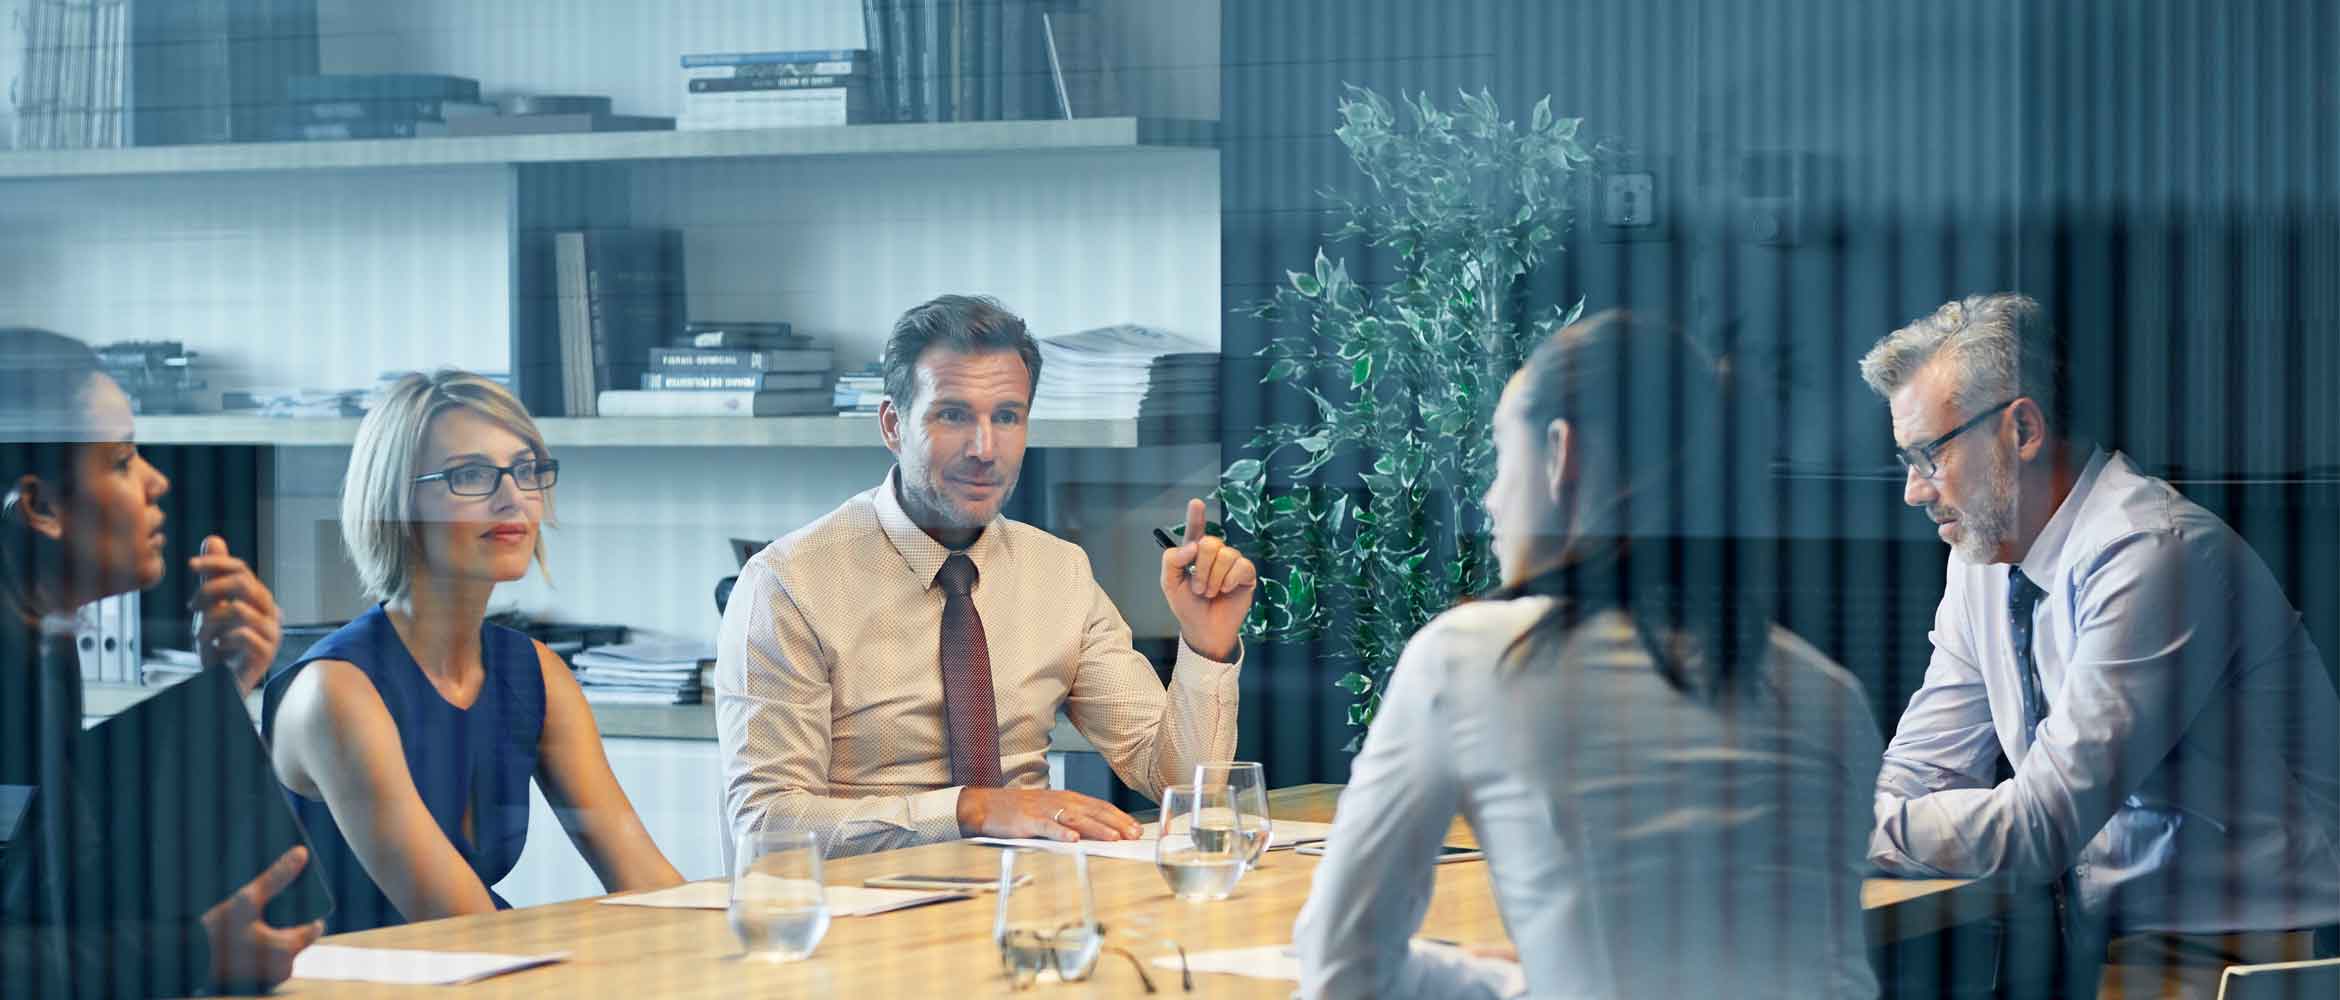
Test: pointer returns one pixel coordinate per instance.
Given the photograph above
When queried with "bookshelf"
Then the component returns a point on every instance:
(950, 138)
(324, 264)
(686, 432)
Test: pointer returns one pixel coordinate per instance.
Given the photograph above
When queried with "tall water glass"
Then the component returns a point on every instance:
(1201, 852)
(1046, 919)
(1245, 785)
(778, 906)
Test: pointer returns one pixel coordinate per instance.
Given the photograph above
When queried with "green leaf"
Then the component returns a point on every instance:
(1541, 119)
(1358, 714)
(1361, 372)
(1355, 683)
(1307, 286)
(1273, 593)
(1314, 443)
(1281, 370)
(1303, 592)
(1245, 471)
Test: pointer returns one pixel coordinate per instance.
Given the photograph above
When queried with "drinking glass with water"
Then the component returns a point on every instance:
(778, 906)
(1046, 917)
(1206, 842)
(1244, 784)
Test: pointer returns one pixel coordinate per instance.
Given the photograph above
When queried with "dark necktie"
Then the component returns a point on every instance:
(966, 674)
(2079, 932)
(2022, 597)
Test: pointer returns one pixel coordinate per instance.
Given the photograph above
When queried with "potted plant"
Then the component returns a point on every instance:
(1403, 378)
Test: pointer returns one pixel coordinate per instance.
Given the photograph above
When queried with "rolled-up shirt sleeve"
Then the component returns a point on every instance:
(1945, 739)
(2155, 637)
(772, 718)
(1152, 737)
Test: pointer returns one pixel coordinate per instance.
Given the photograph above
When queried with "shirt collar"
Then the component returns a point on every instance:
(2046, 559)
(920, 552)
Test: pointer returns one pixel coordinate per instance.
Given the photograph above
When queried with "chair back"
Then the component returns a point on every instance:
(2281, 981)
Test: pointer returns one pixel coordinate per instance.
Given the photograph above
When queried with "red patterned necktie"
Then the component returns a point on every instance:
(966, 673)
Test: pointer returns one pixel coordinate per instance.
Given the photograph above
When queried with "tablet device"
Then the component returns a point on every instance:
(180, 794)
(1446, 852)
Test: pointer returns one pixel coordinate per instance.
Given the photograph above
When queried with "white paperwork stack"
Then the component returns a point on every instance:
(1126, 373)
(643, 672)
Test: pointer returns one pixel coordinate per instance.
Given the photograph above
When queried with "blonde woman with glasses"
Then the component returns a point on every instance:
(406, 739)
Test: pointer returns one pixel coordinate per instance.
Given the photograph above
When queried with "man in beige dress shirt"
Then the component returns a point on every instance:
(833, 689)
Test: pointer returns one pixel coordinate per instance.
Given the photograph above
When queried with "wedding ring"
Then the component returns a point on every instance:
(1058, 818)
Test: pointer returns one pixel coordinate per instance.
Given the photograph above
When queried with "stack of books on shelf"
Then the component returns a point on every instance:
(377, 105)
(74, 66)
(1126, 373)
(860, 392)
(644, 672)
(540, 114)
(619, 295)
(962, 60)
(730, 369)
(724, 90)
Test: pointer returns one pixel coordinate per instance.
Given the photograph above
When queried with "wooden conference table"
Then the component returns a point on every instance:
(946, 950)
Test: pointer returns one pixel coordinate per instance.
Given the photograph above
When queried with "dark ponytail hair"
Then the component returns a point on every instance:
(44, 380)
(1643, 401)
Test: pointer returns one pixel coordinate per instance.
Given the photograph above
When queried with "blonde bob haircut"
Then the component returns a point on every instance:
(377, 497)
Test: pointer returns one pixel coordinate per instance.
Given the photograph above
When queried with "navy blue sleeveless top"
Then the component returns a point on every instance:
(481, 757)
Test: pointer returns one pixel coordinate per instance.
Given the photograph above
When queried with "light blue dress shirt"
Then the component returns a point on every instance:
(1641, 843)
(2186, 769)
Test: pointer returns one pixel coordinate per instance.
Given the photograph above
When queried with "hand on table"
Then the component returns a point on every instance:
(247, 955)
(1034, 812)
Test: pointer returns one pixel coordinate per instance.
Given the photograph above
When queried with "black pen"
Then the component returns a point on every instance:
(1164, 538)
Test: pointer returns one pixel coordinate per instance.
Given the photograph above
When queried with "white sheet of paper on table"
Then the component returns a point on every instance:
(844, 900)
(406, 967)
(1285, 833)
(1275, 961)
(1442, 968)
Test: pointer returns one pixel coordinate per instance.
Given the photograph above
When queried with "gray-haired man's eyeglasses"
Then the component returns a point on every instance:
(1920, 458)
(482, 480)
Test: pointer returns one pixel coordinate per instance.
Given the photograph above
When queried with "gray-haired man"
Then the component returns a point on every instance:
(2169, 722)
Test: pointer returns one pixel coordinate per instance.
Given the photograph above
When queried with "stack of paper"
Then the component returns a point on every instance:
(644, 672)
(1125, 373)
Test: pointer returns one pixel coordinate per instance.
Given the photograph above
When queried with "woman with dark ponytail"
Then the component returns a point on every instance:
(1673, 794)
(79, 521)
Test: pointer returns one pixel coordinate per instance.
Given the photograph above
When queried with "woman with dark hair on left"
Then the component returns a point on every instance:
(79, 521)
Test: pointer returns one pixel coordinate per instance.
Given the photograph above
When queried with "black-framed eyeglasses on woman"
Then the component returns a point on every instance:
(1920, 458)
(482, 480)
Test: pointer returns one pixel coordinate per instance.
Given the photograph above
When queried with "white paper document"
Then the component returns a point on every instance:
(844, 900)
(407, 967)
(1285, 833)
(1437, 969)
(1275, 961)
